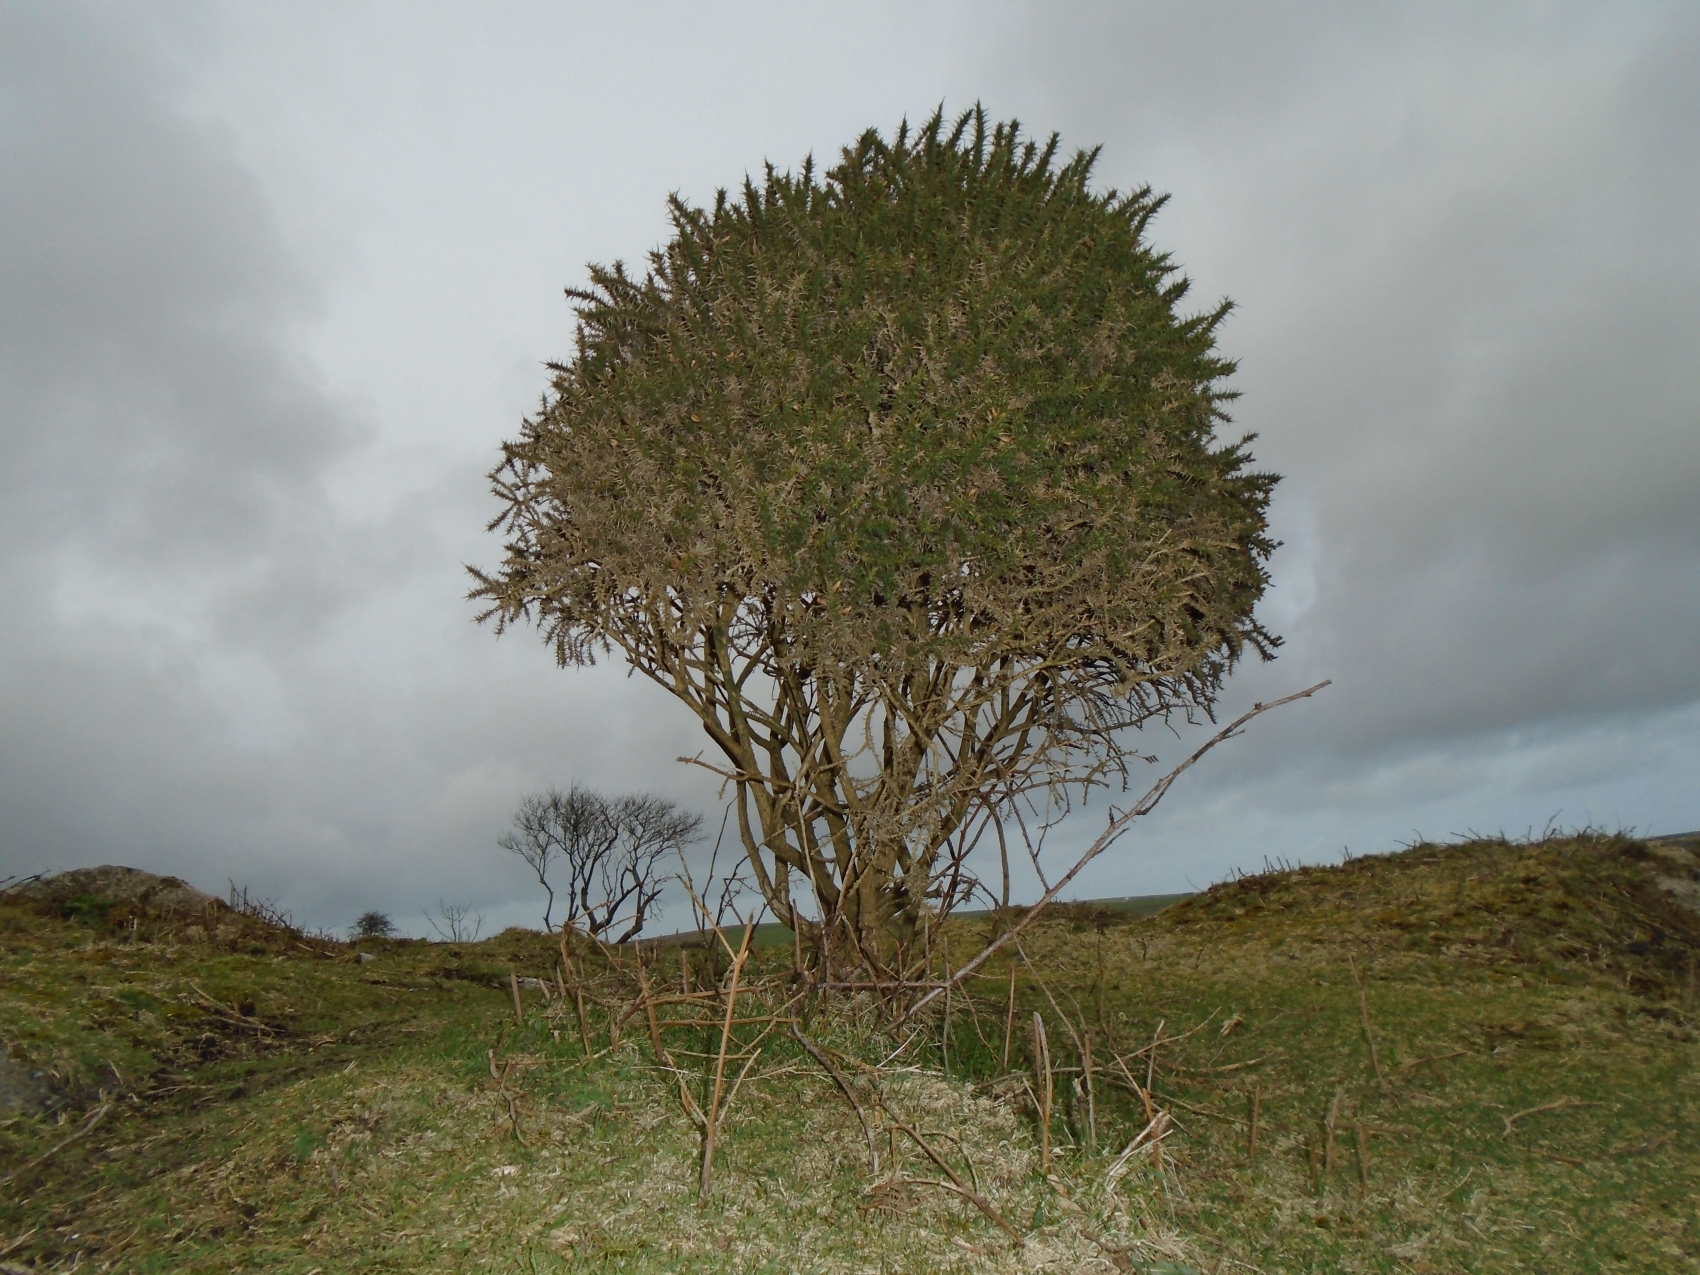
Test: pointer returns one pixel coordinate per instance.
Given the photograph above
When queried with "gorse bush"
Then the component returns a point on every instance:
(373, 925)
(904, 476)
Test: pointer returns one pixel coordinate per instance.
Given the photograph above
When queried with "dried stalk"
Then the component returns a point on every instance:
(519, 1010)
(1043, 1081)
(1369, 1035)
(711, 1117)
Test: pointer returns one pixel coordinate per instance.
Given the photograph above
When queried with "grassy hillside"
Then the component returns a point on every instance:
(1475, 1057)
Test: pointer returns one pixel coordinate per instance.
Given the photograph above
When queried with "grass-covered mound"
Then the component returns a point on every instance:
(216, 1093)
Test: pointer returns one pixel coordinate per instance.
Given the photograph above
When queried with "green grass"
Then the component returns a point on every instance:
(273, 1104)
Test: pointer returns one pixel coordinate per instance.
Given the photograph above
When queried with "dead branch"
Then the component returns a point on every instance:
(1563, 1104)
(960, 1188)
(1111, 834)
(100, 1113)
(843, 1083)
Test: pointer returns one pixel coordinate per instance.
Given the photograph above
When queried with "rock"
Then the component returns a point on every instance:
(22, 1091)
(1679, 870)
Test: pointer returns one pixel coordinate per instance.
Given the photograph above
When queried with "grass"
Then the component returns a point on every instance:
(272, 1103)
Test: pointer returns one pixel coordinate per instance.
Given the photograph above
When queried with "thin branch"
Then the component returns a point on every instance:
(1110, 836)
(99, 1114)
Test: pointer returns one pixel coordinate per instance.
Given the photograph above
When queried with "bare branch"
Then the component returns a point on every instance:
(1117, 826)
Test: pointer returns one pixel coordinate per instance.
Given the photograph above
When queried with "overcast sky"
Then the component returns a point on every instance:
(276, 280)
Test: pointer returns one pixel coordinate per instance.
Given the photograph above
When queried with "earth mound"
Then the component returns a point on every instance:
(113, 885)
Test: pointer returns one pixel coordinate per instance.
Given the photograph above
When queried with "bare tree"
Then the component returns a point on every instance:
(459, 923)
(610, 850)
(545, 825)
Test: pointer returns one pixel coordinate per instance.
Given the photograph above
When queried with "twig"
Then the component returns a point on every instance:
(944, 1033)
(1170, 1040)
(11, 1246)
(99, 1114)
(1111, 834)
(967, 1159)
(1563, 1104)
(1363, 1162)
(501, 1079)
(1009, 1019)
(1042, 1078)
(966, 1192)
(1144, 1095)
(1091, 1092)
(711, 1125)
(1256, 1111)
(843, 1083)
(1363, 1009)
(519, 1010)
(1429, 1060)
(224, 1012)
(1328, 1124)
(577, 990)
(1215, 1071)
(1156, 1130)
(1640, 1148)
(1171, 1101)
(692, 1111)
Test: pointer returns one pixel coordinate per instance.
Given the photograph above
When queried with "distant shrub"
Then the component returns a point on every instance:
(373, 925)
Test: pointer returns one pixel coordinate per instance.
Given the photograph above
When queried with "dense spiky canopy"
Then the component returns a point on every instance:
(939, 397)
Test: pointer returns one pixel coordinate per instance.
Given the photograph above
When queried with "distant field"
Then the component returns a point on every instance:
(1477, 1057)
(771, 934)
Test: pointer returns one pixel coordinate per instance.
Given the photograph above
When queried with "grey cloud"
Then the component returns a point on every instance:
(232, 639)
(161, 444)
(1463, 245)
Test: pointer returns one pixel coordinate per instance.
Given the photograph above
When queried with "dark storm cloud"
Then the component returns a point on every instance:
(160, 447)
(148, 290)
(276, 282)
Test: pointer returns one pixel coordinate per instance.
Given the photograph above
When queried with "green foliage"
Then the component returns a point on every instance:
(942, 395)
(90, 909)
(373, 925)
